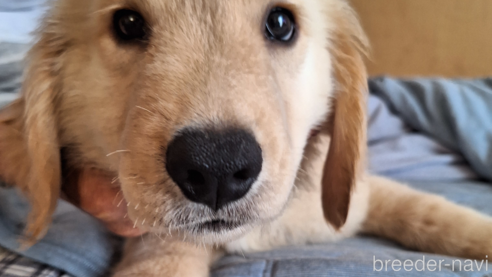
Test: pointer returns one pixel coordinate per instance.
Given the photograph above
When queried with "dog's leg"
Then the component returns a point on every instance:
(150, 256)
(426, 222)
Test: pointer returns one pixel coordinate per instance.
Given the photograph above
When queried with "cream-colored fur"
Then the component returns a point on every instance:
(114, 107)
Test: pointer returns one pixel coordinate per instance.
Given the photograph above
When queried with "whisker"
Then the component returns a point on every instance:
(126, 215)
(121, 201)
(296, 189)
(205, 248)
(117, 152)
(143, 242)
(136, 207)
(118, 194)
(142, 108)
(143, 222)
(115, 179)
(106, 9)
(242, 253)
(159, 237)
(135, 224)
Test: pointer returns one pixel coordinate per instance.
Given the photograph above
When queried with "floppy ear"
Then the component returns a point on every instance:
(347, 123)
(14, 162)
(29, 150)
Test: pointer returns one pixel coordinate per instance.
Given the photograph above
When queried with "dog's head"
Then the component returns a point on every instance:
(202, 108)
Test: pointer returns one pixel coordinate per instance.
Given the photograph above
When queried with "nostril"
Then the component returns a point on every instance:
(242, 175)
(195, 178)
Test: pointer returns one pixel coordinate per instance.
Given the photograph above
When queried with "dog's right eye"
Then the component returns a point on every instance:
(129, 25)
(280, 25)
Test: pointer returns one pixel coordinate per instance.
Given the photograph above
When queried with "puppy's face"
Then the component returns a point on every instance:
(201, 108)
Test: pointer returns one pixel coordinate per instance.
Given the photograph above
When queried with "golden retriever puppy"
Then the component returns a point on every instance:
(232, 126)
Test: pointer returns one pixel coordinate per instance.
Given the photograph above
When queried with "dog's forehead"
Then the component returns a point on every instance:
(205, 22)
(180, 11)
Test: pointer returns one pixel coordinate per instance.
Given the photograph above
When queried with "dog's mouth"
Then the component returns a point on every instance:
(217, 226)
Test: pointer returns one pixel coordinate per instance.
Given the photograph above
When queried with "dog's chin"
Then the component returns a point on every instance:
(213, 232)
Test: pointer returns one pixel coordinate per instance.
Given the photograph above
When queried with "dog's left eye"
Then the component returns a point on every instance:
(129, 25)
(280, 25)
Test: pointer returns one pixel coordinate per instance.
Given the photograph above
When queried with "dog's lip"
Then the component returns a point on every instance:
(218, 225)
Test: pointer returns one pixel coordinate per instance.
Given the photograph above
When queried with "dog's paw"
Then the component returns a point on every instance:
(159, 272)
(163, 259)
(161, 268)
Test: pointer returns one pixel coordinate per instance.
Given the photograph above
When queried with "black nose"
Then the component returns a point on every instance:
(214, 167)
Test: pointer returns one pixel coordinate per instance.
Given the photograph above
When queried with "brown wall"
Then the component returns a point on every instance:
(451, 38)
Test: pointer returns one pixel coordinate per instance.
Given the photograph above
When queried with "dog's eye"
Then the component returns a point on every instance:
(280, 25)
(129, 25)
